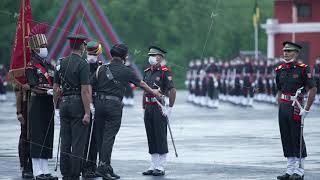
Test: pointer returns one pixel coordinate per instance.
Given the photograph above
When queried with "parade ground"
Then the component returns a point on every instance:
(226, 143)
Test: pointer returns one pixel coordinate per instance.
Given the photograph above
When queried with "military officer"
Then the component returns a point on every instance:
(72, 74)
(94, 49)
(109, 83)
(290, 76)
(157, 76)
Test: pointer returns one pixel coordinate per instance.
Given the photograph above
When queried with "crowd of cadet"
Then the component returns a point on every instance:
(240, 81)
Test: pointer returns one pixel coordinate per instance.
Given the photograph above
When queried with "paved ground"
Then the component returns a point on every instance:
(228, 143)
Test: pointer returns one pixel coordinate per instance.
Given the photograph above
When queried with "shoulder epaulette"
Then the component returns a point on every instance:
(147, 69)
(279, 67)
(302, 65)
(165, 68)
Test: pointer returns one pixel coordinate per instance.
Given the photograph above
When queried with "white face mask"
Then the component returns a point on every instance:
(92, 58)
(153, 60)
(163, 62)
(43, 52)
(288, 61)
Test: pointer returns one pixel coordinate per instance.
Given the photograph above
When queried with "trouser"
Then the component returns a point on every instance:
(73, 136)
(90, 165)
(290, 132)
(156, 129)
(24, 144)
(108, 121)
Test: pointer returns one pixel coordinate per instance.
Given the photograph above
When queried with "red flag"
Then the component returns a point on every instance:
(20, 56)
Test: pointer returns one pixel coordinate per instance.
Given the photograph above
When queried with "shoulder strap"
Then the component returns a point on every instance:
(108, 72)
(44, 72)
(97, 71)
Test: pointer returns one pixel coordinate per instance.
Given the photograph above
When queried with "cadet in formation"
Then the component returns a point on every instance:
(3, 83)
(290, 76)
(109, 83)
(39, 73)
(157, 76)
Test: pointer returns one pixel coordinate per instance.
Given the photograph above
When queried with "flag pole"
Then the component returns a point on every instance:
(256, 44)
(294, 20)
(23, 35)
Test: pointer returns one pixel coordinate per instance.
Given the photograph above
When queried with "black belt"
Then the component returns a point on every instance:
(35, 94)
(69, 97)
(107, 97)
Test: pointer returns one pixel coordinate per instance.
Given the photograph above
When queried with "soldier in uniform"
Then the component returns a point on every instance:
(188, 80)
(39, 74)
(260, 80)
(248, 82)
(73, 74)
(109, 83)
(212, 84)
(157, 76)
(290, 76)
(94, 49)
(22, 94)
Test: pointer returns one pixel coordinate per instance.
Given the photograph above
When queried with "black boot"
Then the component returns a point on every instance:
(148, 172)
(27, 174)
(104, 172)
(50, 177)
(296, 177)
(284, 177)
(112, 172)
(158, 172)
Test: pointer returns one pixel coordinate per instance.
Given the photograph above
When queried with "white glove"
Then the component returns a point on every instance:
(241, 82)
(168, 112)
(92, 109)
(303, 113)
(5, 83)
(50, 92)
(57, 115)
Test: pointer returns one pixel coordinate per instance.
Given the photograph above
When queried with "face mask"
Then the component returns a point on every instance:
(43, 52)
(153, 60)
(163, 62)
(92, 59)
(288, 61)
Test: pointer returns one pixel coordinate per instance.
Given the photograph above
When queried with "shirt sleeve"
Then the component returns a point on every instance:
(133, 78)
(168, 81)
(32, 77)
(308, 79)
(84, 73)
